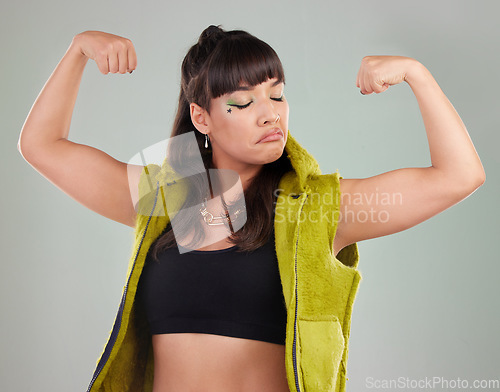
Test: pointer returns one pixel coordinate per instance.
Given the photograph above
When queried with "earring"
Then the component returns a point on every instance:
(206, 140)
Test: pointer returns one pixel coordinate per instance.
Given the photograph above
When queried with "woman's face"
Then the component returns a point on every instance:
(239, 120)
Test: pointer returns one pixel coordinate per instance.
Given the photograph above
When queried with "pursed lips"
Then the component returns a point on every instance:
(272, 132)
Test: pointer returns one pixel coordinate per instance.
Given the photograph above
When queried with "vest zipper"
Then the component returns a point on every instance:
(294, 351)
(116, 327)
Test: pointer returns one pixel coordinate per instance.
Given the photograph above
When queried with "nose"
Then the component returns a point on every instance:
(270, 115)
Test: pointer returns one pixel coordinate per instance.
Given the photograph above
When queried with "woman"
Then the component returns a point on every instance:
(264, 304)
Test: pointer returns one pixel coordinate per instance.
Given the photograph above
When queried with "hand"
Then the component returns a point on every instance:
(378, 73)
(111, 53)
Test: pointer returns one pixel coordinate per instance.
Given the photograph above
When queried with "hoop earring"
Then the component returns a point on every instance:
(206, 140)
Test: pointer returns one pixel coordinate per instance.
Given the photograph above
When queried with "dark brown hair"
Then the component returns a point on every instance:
(216, 65)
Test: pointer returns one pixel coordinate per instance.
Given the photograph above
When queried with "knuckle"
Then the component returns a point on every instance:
(102, 53)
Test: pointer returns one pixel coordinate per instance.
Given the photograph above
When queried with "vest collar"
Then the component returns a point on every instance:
(303, 163)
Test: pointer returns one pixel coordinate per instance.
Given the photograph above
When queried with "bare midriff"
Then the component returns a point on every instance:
(193, 362)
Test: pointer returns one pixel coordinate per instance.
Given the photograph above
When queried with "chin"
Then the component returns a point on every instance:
(275, 154)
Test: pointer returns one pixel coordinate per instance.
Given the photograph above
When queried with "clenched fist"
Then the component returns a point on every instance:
(378, 73)
(111, 53)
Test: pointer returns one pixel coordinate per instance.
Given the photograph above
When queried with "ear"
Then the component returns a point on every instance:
(199, 117)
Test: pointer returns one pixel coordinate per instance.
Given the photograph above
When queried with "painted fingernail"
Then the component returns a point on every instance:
(131, 71)
(361, 92)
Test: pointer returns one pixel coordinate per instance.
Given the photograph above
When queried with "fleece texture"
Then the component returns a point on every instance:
(319, 288)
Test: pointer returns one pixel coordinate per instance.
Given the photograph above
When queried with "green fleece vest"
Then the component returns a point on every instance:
(319, 288)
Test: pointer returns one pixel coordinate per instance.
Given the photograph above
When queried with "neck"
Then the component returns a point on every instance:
(246, 172)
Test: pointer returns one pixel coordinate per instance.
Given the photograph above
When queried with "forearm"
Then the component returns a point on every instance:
(451, 149)
(50, 116)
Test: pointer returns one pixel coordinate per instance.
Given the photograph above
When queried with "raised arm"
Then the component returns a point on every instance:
(90, 176)
(399, 199)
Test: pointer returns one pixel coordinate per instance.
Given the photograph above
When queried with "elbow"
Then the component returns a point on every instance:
(464, 185)
(23, 150)
(20, 144)
(24, 146)
(475, 181)
(20, 149)
(480, 178)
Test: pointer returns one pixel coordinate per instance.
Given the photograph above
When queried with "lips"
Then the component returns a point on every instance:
(272, 132)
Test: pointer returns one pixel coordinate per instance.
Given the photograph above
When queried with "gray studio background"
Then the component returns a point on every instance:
(428, 303)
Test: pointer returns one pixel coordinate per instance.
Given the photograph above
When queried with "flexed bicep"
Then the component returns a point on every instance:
(392, 202)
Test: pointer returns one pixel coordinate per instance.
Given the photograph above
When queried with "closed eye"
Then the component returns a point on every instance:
(280, 99)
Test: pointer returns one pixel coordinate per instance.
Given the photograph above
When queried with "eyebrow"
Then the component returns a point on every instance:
(247, 88)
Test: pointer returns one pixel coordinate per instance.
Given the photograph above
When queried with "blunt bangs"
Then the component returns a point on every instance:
(242, 59)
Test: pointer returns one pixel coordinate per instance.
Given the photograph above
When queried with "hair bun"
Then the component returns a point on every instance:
(211, 34)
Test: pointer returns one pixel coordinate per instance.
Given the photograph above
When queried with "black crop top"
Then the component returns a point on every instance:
(220, 292)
